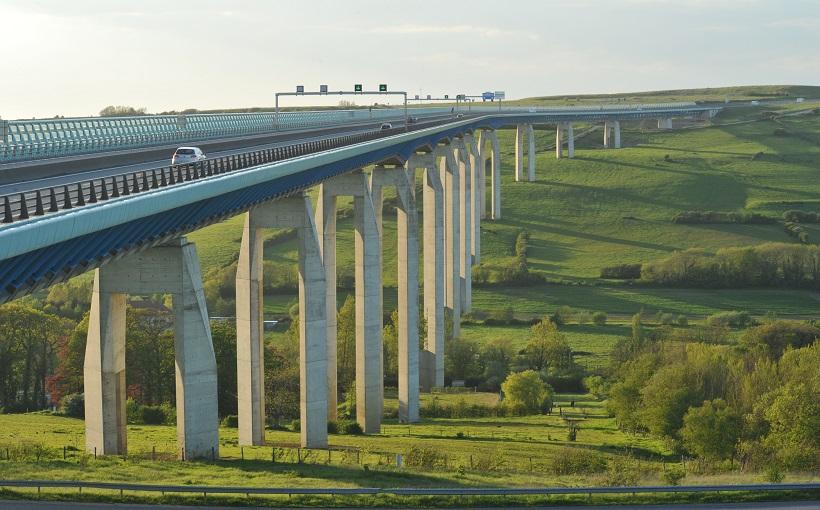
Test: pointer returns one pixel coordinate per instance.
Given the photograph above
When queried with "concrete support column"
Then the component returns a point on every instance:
(326, 233)
(570, 141)
(369, 378)
(617, 128)
(433, 355)
(476, 179)
(171, 269)
(530, 154)
(665, 123)
(196, 395)
(559, 141)
(495, 183)
(408, 289)
(607, 133)
(449, 170)
(292, 212)
(484, 157)
(465, 227)
(104, 371)
(519, 152)
(250, 347)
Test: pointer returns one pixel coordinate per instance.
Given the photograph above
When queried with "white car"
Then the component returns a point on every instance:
(386, 125)
(185, 155)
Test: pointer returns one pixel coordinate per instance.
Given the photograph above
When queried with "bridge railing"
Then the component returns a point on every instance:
(454, 491)
(22, 140)
(38, 202)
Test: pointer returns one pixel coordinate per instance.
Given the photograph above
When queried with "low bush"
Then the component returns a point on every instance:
(230, 421)
(295, 426)
(73, 405)
(730, 319)
(599, 318)
(673, 475)
(578, 461)
(350, 428)
(717, 217)
(667, 319)
(622, 272)
(332, 427)
(427, 457)
(155, 415)
(801, 216)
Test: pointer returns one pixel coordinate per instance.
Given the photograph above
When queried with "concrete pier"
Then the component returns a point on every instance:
(465, 229)
(369, 379)
(407, 276)
(665, 123)
(519, 152)
(450, 175)
(476, 176)
(495, 183)
(171, 269)
(607, 134)
(433, 355)
(559, 140)
(530, 153)
(570, 141)
(616, 125)
(292, 212)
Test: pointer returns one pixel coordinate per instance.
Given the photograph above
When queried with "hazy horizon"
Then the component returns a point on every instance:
(75, 58)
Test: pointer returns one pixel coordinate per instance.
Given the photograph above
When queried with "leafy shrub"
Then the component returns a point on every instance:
(230, 421)
(622, 272)
(525, 392)
(332, 427)
(667, 319)
(596, 385)
(296, 426)
(796, 216)
(599, 318)
(774, 474)
(673, 475)
(425, 457)
(622, 472)
(733, 319)
(583, 317)
(73, 405)
(154, 415)
(682, 320)
(350, 428)
(563, 314)
(717, 217)
(577, 461)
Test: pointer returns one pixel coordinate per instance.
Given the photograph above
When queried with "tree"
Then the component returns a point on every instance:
(282, 376)
(773, 338)
(122, 111)
(150, 355)
(525, 392)
(390, 346)
(460, 359)
(794, 422)
(666, 397)
(346, 341)
(496, 357)
(712, 430)
(548, 348)
(223, 334)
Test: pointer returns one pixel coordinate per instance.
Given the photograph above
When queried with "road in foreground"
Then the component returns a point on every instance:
(55, 505)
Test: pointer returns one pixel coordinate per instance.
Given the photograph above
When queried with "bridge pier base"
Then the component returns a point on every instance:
(174, 269)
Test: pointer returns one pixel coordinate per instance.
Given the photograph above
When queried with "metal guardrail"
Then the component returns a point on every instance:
(38, 202)
(455, 491)
(23, 140)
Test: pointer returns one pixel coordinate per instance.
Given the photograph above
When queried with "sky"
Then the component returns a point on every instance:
(74, 57)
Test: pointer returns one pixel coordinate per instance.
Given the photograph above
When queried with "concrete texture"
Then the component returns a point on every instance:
(171, 269)
(465, 228)
(559, 141)
(476, 164)
(449, 171)
(570, 141)
(616, 125)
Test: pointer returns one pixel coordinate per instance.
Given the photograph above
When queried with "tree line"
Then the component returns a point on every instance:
(753, 401)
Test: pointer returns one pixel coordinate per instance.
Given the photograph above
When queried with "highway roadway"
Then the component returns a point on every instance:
(50, 505)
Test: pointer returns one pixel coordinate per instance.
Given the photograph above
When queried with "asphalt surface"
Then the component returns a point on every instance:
(785, 505)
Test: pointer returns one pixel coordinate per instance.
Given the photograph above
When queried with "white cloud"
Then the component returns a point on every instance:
(481, 31)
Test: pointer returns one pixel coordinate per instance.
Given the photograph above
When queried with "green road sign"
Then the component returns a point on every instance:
(446, 96)
(357, 87)
(383, 87)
